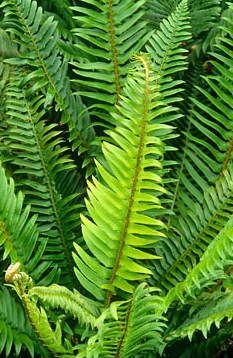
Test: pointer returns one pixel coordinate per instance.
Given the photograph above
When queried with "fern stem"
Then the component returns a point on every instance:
(114, 51)
(126, 223)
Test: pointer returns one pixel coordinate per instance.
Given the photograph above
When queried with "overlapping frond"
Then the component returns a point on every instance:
(111, 32)
(203, 12)
(208, 146)
(19, 235)
(217, 258)
(212, 313)
(38, 37)
(195, 230)
(129, 327)
(120, 204)
(38, 157)
(73, 303)
(166, 51)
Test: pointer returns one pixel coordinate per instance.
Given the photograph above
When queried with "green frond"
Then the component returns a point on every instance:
(39, 157)
(128, 328)
(214, 313)
(203, 12)
(166, 52)
(216, 259)
(195, 230)
(121, 225)
(19, 235)
(16, 333)
(73, 303)
(208, 145)
(38, 40)
(111, 32)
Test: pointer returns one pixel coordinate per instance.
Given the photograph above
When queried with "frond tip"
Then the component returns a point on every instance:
(120, 205)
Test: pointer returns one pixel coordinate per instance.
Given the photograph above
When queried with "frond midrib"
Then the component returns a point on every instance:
(137, 169)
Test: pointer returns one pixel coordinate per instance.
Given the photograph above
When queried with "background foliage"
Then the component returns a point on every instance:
(116, 178)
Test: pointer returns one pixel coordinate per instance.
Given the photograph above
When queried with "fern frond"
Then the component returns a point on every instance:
(19, 235)
(202, 321)
(166, 53)
(120, 204)
(203, 12)
(217, 258)
(111, 32)
(38, 37)
(73, 303)
(195, 230)
(39, 157)
(15, 331)
(128, 328)
(208, 146)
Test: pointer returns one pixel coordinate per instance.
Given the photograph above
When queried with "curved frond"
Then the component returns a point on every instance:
(111, 32)
(213, 313)
(73, 303)
(129, 328)
(195, 230)
(120, 204)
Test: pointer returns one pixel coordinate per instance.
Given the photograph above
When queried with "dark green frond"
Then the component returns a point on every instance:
(16, 334)
(111, 33)
(194, 231)
(39, 157)
(19, 235)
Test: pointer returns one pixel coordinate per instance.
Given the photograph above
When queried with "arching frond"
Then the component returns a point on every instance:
(195, 230)
(111, 32)
(39, 157)
(129, 328)
(212, 313)
(120, 204)
(73, 303)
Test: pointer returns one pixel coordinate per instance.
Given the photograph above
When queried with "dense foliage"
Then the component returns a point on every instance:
(116, 178)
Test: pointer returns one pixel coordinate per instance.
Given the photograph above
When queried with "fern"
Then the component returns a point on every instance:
(15, 332)
(18, 232)
(111, 32)
(118, 239)
(38, 39)
(38, 156)
(129, 327)
(73, 303)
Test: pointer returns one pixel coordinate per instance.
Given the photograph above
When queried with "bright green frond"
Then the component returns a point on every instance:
(128, 328)
(121, 226)
(111, 32)
(73, 303)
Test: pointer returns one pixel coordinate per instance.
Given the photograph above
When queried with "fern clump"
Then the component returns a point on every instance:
(116, 178)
